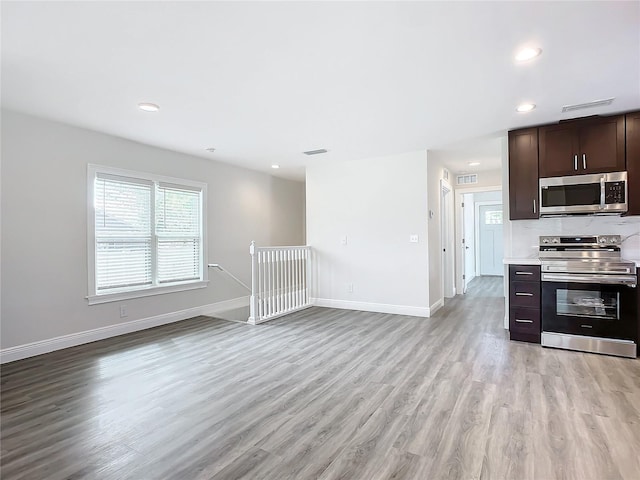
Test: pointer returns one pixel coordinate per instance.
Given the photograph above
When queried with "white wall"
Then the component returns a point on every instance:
(376, 204)
(490, 196)
(44, 213)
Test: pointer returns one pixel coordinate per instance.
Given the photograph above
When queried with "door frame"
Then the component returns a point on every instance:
(447, 235)
(467, 210)
(459, 228)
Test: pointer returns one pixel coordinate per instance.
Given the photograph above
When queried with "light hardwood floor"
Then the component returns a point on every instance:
(327, 394)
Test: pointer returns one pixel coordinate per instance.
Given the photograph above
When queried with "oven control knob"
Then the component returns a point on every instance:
(545, 240)
(603, 240)
(556, 240)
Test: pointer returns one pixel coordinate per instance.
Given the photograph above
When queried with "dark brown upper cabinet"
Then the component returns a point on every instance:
(523, 174)
(583, 146)
(633, 162)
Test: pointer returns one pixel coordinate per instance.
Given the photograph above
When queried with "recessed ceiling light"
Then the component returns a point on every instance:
(149, 107)
(527, 54)
(525, 107)
(473, 164)
(275, 166)
(210, 149)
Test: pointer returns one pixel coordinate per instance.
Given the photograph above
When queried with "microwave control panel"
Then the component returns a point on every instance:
(614, 192)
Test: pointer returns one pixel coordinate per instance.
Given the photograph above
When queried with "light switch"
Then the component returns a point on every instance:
(413, 238)
(343, 240)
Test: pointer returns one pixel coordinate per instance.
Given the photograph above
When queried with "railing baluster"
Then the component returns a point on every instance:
(296, 298)
(261, 278)
(273, 284)
(276, 290)
(307, 276)
(280, 281)
(267, 276)
(289, 277)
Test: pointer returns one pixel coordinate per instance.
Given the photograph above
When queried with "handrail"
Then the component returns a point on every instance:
(286, 247)
(219, 267)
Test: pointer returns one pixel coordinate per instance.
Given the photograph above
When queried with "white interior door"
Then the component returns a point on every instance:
(469, 240)
(491, 249)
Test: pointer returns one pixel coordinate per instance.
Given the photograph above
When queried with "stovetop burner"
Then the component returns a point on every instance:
(585, 259)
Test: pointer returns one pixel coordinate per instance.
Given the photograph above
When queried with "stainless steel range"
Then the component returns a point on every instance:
(589, 295)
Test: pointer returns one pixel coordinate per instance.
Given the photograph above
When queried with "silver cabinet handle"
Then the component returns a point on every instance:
(524, 273)
(518, 320)
(534, 205)
(586, 326)
(575, 162)
(584, 161)
(521, 294)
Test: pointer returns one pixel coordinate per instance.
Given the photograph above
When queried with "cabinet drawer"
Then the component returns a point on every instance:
(524, 324)
(524, 294)
(524, 273)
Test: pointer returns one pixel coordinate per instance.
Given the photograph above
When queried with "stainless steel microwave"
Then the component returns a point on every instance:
(600, 193)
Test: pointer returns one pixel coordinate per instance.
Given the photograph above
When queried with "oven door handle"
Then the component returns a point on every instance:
(629, 280)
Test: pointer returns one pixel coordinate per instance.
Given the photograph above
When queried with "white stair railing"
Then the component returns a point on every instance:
(280, 281)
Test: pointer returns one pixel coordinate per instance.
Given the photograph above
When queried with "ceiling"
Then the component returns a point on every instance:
(262, 82)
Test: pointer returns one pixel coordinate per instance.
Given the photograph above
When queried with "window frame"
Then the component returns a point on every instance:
(93, 297)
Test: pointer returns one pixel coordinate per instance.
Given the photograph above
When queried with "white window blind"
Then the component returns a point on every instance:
(123, 233)
(178, 231)
(148, 234)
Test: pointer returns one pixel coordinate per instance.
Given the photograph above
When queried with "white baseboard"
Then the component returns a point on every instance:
(58, 343)
(372, 307)
(224, 305)
(436, 306)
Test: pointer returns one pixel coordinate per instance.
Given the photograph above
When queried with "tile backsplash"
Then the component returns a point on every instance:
(525, 233)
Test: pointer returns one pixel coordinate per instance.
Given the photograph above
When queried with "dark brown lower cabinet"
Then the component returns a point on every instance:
(524, 303)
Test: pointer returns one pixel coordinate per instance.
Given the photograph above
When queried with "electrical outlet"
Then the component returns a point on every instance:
(123, 311)
(413, 238)
(350, 287)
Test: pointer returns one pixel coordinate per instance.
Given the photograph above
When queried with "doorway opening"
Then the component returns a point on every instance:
(479, 235)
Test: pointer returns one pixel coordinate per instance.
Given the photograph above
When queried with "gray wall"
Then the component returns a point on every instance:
(44, 225)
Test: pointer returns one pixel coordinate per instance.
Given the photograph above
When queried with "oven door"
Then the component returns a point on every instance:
(592, 309)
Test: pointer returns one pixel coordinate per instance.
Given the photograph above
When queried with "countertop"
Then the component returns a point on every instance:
(536, 261)
(521, 261)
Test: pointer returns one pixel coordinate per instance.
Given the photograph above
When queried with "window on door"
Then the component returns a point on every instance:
(493, 217)
(146, 234)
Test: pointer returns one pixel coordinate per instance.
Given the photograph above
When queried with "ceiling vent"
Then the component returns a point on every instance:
(315, 152)
(580, 106)
(466, 179)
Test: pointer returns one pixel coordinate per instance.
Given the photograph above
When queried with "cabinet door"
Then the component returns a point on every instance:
(602, 145)
(633, 163)
(558, 150)
(523, 174)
